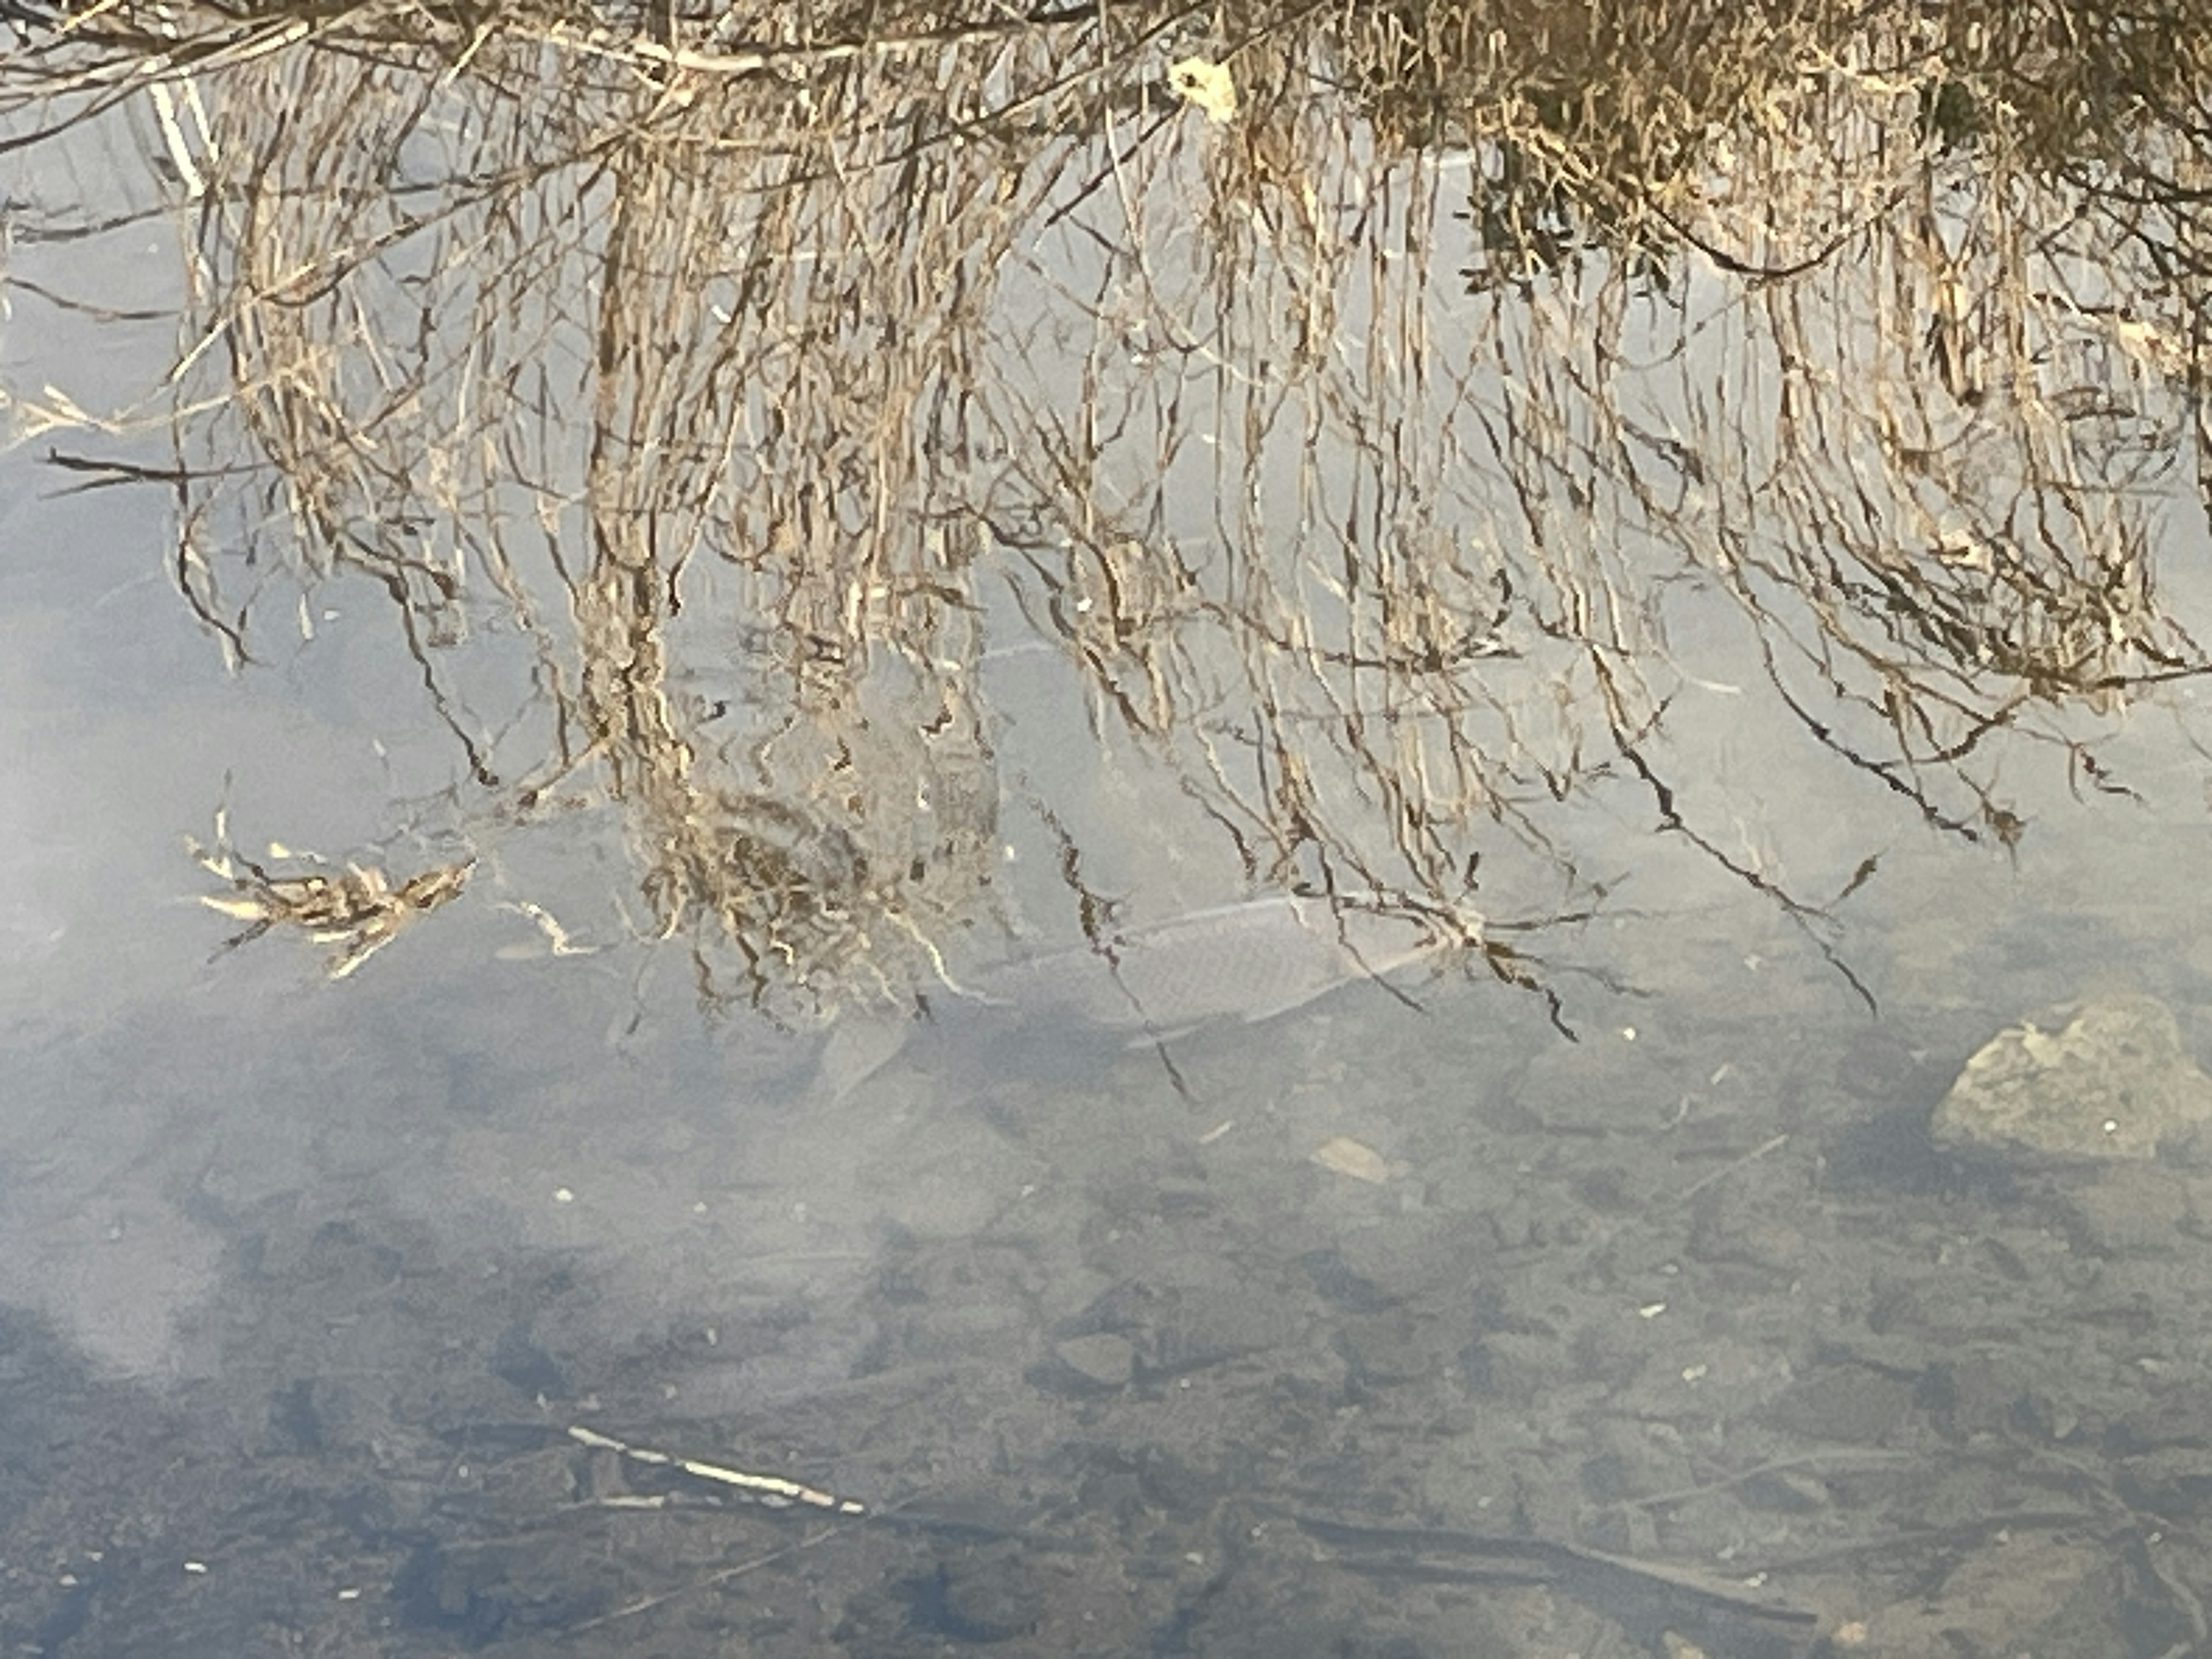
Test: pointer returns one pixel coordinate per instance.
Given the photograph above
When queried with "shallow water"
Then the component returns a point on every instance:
(312, 1280)
(1216, 1299)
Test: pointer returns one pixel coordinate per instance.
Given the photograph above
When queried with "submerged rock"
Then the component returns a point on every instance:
(2106, 1079)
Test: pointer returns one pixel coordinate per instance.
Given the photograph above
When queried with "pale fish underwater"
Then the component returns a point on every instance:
(1243, 963)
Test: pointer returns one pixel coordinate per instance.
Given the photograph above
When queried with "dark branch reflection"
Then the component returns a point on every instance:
(1354, 397)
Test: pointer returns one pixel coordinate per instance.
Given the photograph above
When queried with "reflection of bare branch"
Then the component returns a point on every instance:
(357, 908)
(1363, 441)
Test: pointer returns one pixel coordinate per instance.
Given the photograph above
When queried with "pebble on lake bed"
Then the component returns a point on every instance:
(1347, 1156)
(2105, 1079)
(1103, 1359)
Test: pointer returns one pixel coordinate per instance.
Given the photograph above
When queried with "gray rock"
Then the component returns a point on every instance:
(1105, 1359)
(2103, 1080)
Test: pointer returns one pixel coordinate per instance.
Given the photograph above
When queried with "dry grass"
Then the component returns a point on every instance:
(1349, 448)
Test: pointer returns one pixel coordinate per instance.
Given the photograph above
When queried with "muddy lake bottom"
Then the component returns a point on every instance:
(1691, 1340)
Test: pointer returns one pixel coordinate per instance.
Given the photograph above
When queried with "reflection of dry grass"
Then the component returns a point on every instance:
(357, 909)
(1351, 447)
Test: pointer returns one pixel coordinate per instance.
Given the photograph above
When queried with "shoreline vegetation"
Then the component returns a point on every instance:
(1350, 393)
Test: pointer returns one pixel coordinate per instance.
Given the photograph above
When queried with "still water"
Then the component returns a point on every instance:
(1205, 1271)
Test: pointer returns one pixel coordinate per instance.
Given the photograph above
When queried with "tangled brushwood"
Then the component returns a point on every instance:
(1352, 393)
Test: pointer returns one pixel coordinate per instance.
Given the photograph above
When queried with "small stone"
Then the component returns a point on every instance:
(982, 1601)
(1104, 1359)
(1347, 1156)
(2110, 1082)
(1854, 1405)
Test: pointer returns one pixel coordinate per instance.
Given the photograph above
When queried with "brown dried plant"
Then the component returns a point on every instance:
(1352, 393)
(357, 908)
